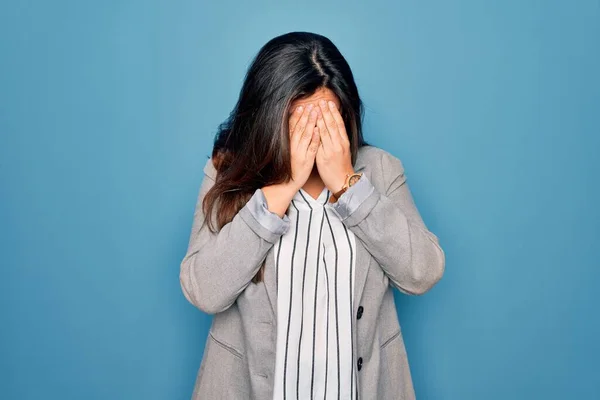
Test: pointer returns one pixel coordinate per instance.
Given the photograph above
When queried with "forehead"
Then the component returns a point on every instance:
(320, 94)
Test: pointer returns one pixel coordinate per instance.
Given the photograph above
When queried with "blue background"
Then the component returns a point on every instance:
(108, 111)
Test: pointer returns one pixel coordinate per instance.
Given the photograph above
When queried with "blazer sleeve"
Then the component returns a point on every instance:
(392, 230)
(217, 267)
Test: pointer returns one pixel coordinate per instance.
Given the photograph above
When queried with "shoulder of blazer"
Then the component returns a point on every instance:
(380, 162)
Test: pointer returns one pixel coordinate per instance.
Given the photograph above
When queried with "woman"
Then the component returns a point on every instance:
(310, 228)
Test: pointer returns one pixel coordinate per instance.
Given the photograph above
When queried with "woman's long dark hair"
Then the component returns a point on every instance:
(251, 148)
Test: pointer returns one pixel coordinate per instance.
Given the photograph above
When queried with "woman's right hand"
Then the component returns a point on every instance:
(304, 142)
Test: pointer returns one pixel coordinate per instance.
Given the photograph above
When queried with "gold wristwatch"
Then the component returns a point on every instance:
(351, 179)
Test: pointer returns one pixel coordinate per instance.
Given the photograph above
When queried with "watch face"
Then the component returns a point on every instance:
(353, 179)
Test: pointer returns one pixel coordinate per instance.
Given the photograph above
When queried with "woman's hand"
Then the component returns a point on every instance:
(333, 157)
(304, 142)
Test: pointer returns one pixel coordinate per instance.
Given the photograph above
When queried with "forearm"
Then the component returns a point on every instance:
(219, 266)
(391, 229)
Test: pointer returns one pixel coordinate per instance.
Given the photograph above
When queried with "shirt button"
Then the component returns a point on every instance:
(359, 365)
(360, 312)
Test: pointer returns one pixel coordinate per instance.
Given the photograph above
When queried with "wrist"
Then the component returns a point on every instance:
(341, 181)
(278, 197)
(349, 179)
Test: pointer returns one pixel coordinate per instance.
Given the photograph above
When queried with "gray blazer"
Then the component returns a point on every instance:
(394, 249)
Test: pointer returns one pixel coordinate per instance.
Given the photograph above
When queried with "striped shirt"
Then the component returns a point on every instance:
(315, 264)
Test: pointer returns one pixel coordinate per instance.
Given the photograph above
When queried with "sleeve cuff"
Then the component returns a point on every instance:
(264, 222)
(353, 197)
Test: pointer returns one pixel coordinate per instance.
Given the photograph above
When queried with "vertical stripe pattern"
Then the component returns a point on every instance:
(315, 266)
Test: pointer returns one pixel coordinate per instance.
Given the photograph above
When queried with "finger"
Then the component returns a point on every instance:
(308, 131)
(300, 126)
(314, 143)
(339, 121)
(300, 112)
(294, 117)
(325, 136)
(329, 122)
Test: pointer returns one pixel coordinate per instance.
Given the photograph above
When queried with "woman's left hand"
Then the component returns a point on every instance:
(333, 157)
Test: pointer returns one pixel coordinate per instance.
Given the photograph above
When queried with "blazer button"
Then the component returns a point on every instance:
(360, 312)
(359, 365)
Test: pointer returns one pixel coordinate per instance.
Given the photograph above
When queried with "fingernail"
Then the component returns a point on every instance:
(313, 113)
(310, 106)
(323, 104)
(332, 104)
(299, 109)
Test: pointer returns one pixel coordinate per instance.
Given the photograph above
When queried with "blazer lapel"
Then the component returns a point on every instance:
(270, 279)
(362, 262)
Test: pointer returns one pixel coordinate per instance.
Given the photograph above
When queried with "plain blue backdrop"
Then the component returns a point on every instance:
(107, 115)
